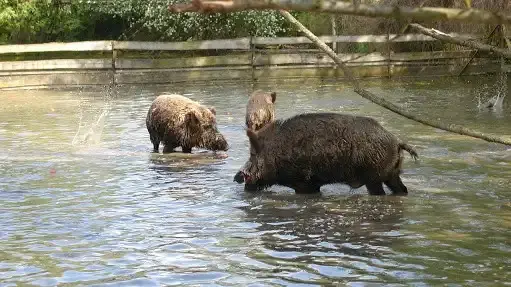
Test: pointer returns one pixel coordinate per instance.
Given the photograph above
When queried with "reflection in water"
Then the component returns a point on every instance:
(354, 226)
(114, 213)
(166, 167)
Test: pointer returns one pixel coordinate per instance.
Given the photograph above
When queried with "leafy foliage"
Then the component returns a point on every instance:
(63, 20)
(36, 21)
(32, 21)
(155, 22)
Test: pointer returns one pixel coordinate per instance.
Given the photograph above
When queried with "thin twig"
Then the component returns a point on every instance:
(384, 103)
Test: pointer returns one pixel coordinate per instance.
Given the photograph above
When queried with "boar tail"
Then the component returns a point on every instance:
(409, 149)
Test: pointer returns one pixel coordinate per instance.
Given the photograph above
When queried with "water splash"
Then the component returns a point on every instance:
(496, 102)
(94, 132)
(90, 133)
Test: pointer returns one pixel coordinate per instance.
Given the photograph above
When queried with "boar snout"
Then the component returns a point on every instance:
(220, 143)
(239, 177)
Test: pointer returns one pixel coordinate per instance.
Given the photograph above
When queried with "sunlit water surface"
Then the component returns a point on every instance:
(104, 210)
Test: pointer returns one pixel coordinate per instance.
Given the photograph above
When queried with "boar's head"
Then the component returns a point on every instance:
(258, 172)
(202, 129)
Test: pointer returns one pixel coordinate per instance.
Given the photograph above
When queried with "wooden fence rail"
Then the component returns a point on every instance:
(246, 60)
(250, 58)
(57, 47)
(228, 44)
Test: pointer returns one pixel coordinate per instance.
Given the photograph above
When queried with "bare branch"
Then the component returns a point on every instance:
(508, 42)
(463, 42)
(384, 103)
(339, 7)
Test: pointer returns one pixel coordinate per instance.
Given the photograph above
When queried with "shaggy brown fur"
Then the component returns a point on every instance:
(260, 109)
(310, 150)
(177, 121)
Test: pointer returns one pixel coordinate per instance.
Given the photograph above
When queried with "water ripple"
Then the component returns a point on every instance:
(112, 213)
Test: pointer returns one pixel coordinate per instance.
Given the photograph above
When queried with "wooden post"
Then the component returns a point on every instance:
(503, 67)
(507, 44)
(502, 43)
(114, 58)
(252, 57)
(334, 32)
(389, 70)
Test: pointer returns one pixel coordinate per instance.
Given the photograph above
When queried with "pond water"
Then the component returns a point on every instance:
(105, 211)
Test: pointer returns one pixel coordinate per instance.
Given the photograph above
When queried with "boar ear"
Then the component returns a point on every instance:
(213, 110)
(254, 141)
(271, 98)
(191, 119)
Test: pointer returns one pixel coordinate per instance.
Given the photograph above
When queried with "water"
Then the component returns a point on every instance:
(105, 211)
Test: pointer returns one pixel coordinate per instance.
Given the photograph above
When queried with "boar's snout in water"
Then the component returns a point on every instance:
(218, 144)
(175, 120)
(307, 151)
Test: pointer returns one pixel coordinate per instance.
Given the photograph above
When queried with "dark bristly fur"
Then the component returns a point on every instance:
(307, 151)
(177, 121)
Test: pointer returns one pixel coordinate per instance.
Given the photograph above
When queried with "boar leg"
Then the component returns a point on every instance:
(396, 185)
(303, 187)
(169, 147)
(156, 146)
(375, 188)
(238, 177)
(155, 141)
(186, 149)
(252, 188)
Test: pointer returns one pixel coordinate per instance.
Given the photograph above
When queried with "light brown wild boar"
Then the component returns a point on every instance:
(175, 120)
(260, 109)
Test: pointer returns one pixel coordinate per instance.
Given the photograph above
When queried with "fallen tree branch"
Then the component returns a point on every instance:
(474, 53)
(508, 42)
(407, 26)
(340, 7)
(384, 103)
(462, 42)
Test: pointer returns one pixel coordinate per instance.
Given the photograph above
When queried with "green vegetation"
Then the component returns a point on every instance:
(148, 20)
(40, 21)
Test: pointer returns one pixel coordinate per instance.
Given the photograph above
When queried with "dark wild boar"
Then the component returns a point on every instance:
(307, 151)
(176, 121)
(260, 109)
